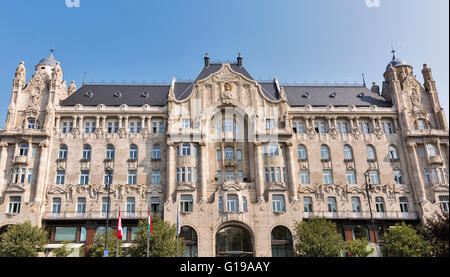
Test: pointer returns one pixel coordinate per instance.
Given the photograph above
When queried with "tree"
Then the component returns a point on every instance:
(162, 241)
(318, 238)
(63, 250)
(403, 241)
(98, 247)
(23, 240)
(358, 248)
(436, 232)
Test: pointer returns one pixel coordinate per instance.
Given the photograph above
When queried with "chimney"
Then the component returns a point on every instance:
(239, 59)
(206, 60)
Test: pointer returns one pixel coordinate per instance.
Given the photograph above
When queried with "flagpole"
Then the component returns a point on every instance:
(148, 237)
(178, 225)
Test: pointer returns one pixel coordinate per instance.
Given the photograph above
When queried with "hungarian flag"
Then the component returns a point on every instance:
(149, 224)
(119, 228)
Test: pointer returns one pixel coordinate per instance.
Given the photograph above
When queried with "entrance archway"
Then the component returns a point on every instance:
(234, 241)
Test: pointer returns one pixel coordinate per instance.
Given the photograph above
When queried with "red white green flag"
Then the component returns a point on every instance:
(149, 225)
(119, 228)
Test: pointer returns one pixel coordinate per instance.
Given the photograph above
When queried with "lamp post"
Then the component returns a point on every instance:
(369, 186)
(108, 187)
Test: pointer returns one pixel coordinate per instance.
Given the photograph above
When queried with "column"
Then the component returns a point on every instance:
(149, 123)
(3, 157)
(204, 173)
(104, 123)
(58, 120)
(259, 164)
(292, 173)
(40, 183)
(142, 122)
(120, 121)
(80, 122)
(170, 173)
(416, 179)
(74, 122)
(97, 122)
(126, 123)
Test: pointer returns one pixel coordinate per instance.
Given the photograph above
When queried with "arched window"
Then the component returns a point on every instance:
(302, 155)
(324, 153)
(234, 241)
(421, 125)
(348, 153)
(186, 149)
(133, 152)
(190, 241)
(87, 152)
(110, 152)
(393, 155)
(370, 151)
(62, 152)
(281, 241)
(156, 152)
(31, 123)
(23, 149)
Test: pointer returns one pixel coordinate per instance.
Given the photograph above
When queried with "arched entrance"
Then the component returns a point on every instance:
(190, 241)
(234, 241)
(281, 241)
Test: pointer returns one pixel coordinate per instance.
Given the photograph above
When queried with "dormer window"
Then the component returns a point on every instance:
(118, 94)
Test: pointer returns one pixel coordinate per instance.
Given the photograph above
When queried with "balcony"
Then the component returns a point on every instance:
(435, 160)
(361, 215)
(229, 163)
(70, 215)
(20, 160)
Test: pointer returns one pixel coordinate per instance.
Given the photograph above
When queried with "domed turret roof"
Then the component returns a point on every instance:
(50, 60)
(396, 61)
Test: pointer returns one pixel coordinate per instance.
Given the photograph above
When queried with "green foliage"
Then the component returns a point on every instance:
(63, 250)
(403, 241)
(162, 242)
(358, 248)
(98, 247)
(23, 240)
(318, 238)
(436, 232)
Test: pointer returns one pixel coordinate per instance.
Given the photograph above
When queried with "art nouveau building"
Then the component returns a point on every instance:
(242, 160)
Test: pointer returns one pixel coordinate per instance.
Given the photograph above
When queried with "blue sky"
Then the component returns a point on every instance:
(293, 40)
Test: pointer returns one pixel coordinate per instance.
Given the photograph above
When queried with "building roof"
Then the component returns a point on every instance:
(157, 95)
(50, 60)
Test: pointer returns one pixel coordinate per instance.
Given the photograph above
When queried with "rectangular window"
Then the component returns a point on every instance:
(156, 152)
(427, 176)
(299, 127)
(14, 204)
(183, 174)
(84, 177)
(65, 233)
(266, 174)
(189, 174)
(178, 174)
(244, 203)
(220, 204)
(435, 177)
(342, 127)
(444, 202)
(356, 205)
(241, 176)
(186, 123)
(186, 203)
(89, 126)
(132, 175)
(112, 126)
(278, 174)
(81, 206)
(403, 204)
(398, 179)
(232, 203)
(108, 177)
(156, 178)
(374, 177)
(421, 151)
(105, 202)
(60, 175)
(56, 208)
(219, 176)
(304, 177)
(239, 154)
(307, 205)
(154, 205)
(161, 127)
(278, 203)
(327, 177)
(219, 155)
(228, 125)
(351, 177)
(272, 174)
(230, 175)
(66, 127)
(22, 175)
(379, 204)
(270, 124)
(131, 205)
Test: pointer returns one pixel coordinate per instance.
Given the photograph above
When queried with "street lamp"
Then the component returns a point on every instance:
(369, 186)
(108, 187)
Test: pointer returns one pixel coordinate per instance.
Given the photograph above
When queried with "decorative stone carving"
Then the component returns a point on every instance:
(145, 132)
(98, 132)
(378, 132)
(334, 132)
(311, 132)
(19, 77)
(72, 87)
(122, 132)
(76, 132)
(356, 132)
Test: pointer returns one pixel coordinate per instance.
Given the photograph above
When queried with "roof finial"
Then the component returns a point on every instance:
(206, 60)
(84, 78)
(239, 59)
(364, 81)
(393, 52)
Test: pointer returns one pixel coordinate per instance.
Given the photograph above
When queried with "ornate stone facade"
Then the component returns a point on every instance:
(230, 153)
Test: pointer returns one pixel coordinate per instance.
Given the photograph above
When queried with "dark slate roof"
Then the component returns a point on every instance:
(344, 96)
(206, 71)
(132, 95)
